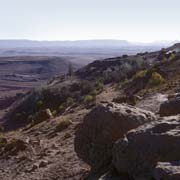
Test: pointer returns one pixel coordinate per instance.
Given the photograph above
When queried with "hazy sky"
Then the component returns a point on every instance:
(134, 20)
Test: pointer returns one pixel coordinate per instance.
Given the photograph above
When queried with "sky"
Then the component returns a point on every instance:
(133, 20)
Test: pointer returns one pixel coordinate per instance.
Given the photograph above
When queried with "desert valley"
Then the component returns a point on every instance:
(112, 119)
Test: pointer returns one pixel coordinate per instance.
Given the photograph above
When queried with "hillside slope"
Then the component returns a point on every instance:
(42, 126)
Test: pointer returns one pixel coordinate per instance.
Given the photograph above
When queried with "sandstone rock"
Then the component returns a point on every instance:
(170, 107)
(105, 124)
(142, 148)
(167, 171)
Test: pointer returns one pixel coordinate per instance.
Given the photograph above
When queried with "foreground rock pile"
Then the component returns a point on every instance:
(102, 127)
(171, 107)
(142, 149)
(136, 143)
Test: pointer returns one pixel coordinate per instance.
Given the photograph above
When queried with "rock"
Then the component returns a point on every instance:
(105, 124)
(167, 171)
(142, 148)
(33, 168)
(170, 107)
(43, 163)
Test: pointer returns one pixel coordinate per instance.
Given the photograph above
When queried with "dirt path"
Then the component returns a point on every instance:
(50, 155)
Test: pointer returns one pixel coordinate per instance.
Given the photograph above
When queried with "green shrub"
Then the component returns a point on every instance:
(88, 99)
(61, 108)
(54, 113)
(69, 101)
(172, 57)
(3, 141)
(39, 104)
(140, 74)
(94, 92)
(86, 87)
(99, 86)
(124, 83)
(65, 123)
(156, 79)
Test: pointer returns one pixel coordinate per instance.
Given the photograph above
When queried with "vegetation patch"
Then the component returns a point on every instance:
(140, 74)
(156, 79)
(63, 124)
(88, 99)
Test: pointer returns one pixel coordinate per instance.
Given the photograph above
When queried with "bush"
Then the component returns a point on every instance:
(86, 88)
(172, 57)
(54, 113)
(69, 101)
(140, 74)
(39, 104)
(125, 82)
(62, 108)
(94, 93)
(65, 123)
(88, 99)
(156, 79)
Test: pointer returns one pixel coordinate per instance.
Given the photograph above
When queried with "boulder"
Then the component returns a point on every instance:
(167, 171)
(142, 148)
(170, 107)
(105, 124)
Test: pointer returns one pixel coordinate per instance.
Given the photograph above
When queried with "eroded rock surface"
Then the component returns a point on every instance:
(142, 148)
(167, 171)
(105, 124)
(170, 107)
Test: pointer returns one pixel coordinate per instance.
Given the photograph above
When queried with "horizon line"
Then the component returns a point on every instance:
(108, 39)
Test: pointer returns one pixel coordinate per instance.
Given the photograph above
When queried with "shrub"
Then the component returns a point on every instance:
(14, 146)
(88, 99)
(3, 141)
(41, 116)
(125, 82)
(156, 79)
(62, 108)
(86, 87)
(69, 101)
(65, 123)
(54, 113)
(140, 74)
(1, 128)
(20, 116)
(94, 93)
(172, 57)
(124, 56)
(39, 104)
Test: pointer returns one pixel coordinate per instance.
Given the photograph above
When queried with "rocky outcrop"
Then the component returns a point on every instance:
(170, 107)
(142, 148)
(105, 124)
(167, 171)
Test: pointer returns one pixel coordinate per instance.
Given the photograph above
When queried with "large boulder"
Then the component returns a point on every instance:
(170, 107)
(105, 124)
(142, 148)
